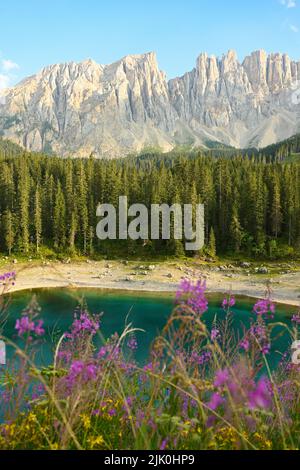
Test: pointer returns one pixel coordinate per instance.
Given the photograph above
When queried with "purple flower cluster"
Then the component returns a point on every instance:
(261, 395)
(81, 372)
(216, 401)
(215, 334)
(111, 351)
(257, 335)
(27, 326)
(265, 308)
(84, 324)
(192, 295)
(245, 344)
(228, 302)
(257, 395)
(7, 277)
(7, 280)
(296, 318)
(132, 344)
(201, 359)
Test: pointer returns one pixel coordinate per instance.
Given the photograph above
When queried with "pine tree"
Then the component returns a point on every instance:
(59, 219)
(37, 219)
(212, 244)
(276, 214)
(235, 231)
(8, 230)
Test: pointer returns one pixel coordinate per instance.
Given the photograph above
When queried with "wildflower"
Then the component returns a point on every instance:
(216, 401)
(266, 444)
(149, 367)
(96, 442)
(193, 296)
(164, 444)
(266, 349)
(259, 333)
(265, 308)
(296, 318)
(81, 372)
(64, 356)
(221, 378)
(39, 330)
(86, 421)
(84, 324)
(8, 278)
(245, 344)
(102, 352)
(215, 334)
(260, 397)
(228, 302)
(201, 359)
(132, 344)
(25, 325)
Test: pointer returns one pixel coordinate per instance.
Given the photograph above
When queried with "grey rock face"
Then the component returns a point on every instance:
(83, 108)
(243, 105)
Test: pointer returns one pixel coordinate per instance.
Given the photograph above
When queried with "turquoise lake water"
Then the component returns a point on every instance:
(145, 311)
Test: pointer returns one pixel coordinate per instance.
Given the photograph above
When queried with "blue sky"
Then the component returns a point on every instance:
(35, 33)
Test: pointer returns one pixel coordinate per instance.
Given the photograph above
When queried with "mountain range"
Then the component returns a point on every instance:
(112, 110)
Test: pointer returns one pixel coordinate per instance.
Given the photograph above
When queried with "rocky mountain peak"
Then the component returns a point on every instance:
(79, 108)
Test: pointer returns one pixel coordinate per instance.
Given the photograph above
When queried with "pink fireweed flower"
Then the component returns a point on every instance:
(266, 349)
(102, 352)
(24, 326)
(111, 351)
(81, 372)
(8, 277)
(84, 324)
(215, 334)
(265, 308)
(261, 396)
(296, 318)
(221, 378)
(192, 295)
(245, 344)
(64, 356)
(164, 444)
(258, 332)
(7, 280)
(132, 344)
(39, 330)
(228, 302)
(216, 401)
(200, 359)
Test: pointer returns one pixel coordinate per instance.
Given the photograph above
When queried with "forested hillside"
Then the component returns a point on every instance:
(285, 148)
(9, 149)
(48, 205)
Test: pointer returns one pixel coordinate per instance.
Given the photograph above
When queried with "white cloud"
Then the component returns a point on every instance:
(9, 65)
(288, 3)
(294, 28)
(7, 69)
(4, 81)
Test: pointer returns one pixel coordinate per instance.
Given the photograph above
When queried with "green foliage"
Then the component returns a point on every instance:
(48, 203)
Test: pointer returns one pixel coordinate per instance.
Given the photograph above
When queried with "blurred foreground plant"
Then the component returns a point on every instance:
(203, 388)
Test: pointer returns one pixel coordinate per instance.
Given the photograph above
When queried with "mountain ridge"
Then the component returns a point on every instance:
(112, 110)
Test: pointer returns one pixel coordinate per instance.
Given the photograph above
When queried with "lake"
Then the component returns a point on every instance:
(146, 311)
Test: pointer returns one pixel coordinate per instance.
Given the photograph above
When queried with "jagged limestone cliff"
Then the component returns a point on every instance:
(84, 108)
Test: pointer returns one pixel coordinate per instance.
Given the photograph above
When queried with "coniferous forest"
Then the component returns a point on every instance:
(48, 204)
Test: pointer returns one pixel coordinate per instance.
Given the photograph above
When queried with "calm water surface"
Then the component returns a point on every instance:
(145, 311)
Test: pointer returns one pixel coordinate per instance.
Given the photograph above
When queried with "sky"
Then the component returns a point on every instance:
(36, 33)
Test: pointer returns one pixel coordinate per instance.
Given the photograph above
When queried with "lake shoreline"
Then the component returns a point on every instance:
(159, 278)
